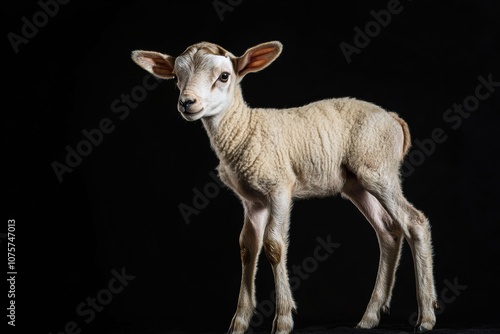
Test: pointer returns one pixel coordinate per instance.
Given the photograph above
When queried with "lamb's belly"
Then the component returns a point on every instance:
(319, 181)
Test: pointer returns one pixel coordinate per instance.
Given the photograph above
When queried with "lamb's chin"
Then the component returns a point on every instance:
(191, 117)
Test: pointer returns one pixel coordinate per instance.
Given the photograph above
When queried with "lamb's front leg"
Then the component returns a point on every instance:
(275, 246)
(251, 237)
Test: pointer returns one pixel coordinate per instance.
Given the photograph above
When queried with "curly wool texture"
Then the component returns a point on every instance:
(269, 156)
(311, 147)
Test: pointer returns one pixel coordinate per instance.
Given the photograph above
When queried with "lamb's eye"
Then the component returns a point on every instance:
(224, 77)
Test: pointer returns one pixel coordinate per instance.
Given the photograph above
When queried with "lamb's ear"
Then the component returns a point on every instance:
(258, 57)
(156, 63)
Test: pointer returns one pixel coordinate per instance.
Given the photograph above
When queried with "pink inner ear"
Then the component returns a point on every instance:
(259, 58)
(145, 61)
(256, 63)
(154, 63)
(151, 60)
(263, 51)
(142, 60)
(162, 70)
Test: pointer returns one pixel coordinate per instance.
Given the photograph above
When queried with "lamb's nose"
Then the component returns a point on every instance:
(186, 103)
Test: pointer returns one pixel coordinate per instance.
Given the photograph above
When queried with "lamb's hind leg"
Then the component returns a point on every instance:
(389, 238)
(416, 230)
(251, 239)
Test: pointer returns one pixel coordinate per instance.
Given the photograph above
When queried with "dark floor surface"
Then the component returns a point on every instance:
(336, 329)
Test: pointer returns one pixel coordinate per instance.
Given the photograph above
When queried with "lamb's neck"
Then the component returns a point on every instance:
(230, 131)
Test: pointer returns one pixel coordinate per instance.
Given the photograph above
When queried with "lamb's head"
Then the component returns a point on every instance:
(206, 74)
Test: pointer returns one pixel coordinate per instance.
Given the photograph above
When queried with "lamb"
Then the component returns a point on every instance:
(271, 157)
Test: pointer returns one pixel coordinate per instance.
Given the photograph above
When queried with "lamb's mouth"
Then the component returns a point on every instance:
(192, 113)
(192, 116)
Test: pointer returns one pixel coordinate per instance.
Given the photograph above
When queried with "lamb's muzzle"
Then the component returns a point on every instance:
(186, 104)
(270, 157)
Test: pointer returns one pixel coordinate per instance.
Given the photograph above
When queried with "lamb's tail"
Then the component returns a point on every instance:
(406, 133)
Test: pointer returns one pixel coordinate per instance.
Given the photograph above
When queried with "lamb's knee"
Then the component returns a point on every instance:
(420, 232)
(249, 247)
(272, 249)
(245, 256)
(250, 243)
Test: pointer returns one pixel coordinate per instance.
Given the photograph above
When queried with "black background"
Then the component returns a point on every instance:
(119, 208)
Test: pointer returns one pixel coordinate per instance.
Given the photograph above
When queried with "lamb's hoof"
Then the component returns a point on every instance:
(421, 329)
(282, 324)
(368, 323)
(239, 324)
